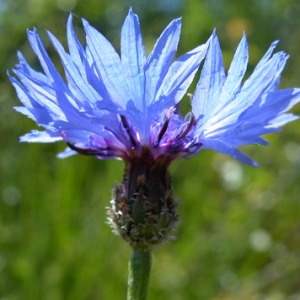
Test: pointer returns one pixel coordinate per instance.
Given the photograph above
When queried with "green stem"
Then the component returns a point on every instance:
(138, 275)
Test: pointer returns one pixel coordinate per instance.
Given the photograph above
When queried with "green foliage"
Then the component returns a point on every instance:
(239, 237)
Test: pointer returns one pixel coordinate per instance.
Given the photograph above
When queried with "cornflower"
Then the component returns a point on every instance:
(127, 107)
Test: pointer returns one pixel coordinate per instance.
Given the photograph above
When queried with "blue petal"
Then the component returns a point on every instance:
(235, 75)
(160, 60)
(209, 87)
(66, 153)
(108, 66)
(282, 120)
(271, 105)
(77, 84)
(179, 77)
(77, 52)
(267, 56)
(133, 57)
(43, 57)
(228, 150)
(36, 136)
(40, 96)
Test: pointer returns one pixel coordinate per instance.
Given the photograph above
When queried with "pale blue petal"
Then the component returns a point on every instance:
(160, 60)
(36, 136)
(133, 57)
(40, 96)
(179, 77)
(232, 84)
(271, 105)
(237, 69)
(228, 150)
(281, 120)
(267, 56)
(76, 49)
(209, 87)
(43, 57)
(77, 84)
(66, 153)
(108, 65)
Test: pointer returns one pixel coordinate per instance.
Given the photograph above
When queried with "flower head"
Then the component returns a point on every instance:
(112, 106)
(230, 114)
(109, 105)
(127, 106)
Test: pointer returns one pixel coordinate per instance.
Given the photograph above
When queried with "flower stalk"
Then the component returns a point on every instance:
(138, 275)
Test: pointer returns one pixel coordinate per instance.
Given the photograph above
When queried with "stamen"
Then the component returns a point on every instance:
(187, 128)
(164, 128)
(162, 132)
(128, 130)
(88, 151)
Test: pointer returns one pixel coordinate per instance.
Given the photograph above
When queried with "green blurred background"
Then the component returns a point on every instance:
(240, 231)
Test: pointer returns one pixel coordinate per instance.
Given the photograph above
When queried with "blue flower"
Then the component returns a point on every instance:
(116, 106)
(230, 114)
(109, 104)
(127, 106)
